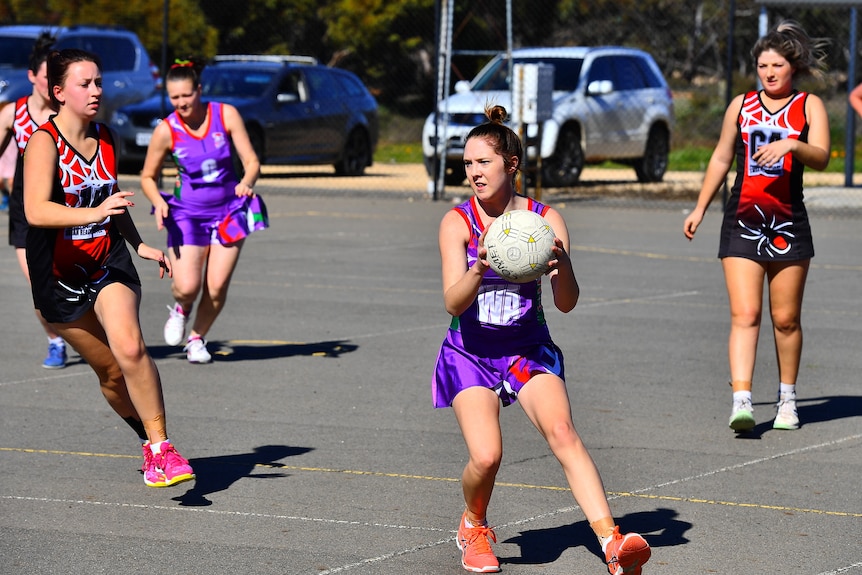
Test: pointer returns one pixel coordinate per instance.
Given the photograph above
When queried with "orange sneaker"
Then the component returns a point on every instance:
(625, 554)
(476, 554)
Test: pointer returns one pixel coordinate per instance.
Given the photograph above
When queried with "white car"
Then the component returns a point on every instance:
(609, 103)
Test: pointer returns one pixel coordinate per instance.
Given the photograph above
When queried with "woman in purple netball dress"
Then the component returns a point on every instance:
(199, 136)
(498, 350)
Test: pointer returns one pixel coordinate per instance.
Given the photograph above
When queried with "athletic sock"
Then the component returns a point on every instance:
(740, 395)
(787, 390)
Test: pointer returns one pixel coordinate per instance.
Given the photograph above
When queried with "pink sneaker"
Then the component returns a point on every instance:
(626, 554)
(175, 467)
(153, 476)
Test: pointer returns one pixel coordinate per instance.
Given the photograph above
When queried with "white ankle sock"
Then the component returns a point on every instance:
(740, 395)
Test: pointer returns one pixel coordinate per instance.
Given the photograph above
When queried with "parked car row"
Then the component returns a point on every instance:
(296, 110)
(608, 103)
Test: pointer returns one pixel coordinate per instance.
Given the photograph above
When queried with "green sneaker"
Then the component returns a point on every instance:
(786, 416)
(742, 416)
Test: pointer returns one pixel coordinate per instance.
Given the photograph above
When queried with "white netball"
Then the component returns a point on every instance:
(520, 245)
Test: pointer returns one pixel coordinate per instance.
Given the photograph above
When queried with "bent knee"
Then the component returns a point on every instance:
(486, 462)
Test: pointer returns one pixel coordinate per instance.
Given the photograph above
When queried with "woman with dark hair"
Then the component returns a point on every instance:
(498, 350)
(772, 134)
(84, 281)
(199, 136)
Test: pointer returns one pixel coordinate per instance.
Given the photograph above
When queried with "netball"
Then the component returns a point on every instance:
(520, 246)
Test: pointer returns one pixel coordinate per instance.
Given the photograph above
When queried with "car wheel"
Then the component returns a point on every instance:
(355, 156)
(653, 165)
(565, 166)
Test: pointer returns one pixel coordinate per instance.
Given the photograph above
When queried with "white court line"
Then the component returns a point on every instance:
(219, 512)
(842, 569)
(431, 544)
(570, 509)
(48, 378)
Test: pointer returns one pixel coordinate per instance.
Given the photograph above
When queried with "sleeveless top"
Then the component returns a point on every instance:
(23, 127)
(207, 179)
(765, 218)
(69, 260)
(505, 317)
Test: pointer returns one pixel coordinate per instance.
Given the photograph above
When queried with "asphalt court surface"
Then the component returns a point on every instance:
(318, 451)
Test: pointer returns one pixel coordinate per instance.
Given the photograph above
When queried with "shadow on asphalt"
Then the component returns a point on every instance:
(660, 528)
(218, 473)
(227, 351)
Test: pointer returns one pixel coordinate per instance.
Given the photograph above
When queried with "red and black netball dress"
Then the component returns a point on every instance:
(69, 266)
(765, 218)
(23, 127)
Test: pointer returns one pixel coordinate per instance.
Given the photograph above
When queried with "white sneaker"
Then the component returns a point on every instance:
(742, 416)
(196, 350)
(786, 416)
(175, 327)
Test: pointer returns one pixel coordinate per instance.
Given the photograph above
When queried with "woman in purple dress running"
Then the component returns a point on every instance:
(199, 135)
(498, 350)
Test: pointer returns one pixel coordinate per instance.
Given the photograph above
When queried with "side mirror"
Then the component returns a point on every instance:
(462, 86)
(600, 88)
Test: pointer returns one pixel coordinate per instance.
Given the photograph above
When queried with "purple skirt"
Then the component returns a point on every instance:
(458, 370)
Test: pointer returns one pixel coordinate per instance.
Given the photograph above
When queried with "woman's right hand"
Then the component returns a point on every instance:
(689, 227)
(160, 211)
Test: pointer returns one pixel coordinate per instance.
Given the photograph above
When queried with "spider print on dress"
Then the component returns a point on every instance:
(771, 238)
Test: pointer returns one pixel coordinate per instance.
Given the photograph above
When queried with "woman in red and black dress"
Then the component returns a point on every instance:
(84, 282)
(772, 134)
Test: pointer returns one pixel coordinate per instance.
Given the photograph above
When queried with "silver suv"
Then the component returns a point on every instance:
(128, 74)
(609, 103)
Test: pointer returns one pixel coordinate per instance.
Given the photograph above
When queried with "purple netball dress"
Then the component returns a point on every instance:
(206, 182)
(501, 340)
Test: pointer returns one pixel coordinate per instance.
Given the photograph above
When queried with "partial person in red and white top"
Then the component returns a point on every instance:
(18, 121)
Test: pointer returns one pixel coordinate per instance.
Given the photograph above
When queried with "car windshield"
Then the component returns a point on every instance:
(14, 52)
(237, 83)
(496, 77)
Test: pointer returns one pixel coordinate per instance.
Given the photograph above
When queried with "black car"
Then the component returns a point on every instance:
(297, 112)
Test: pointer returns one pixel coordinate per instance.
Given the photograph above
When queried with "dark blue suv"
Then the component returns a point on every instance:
(297, 112)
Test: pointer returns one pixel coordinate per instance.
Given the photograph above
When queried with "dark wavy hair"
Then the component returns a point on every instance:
(58, 66)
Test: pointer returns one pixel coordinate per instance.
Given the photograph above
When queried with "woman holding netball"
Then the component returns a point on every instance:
(498, 350)
(84, 281)
(772, 134)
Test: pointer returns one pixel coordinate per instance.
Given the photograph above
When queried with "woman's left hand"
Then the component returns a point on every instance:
(150, 253)
(562, 258)
(243, 190)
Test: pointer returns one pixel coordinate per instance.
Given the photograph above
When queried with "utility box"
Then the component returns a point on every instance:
(532, 96)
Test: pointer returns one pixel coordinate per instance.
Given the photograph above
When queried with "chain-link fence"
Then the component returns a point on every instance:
(701, 48)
